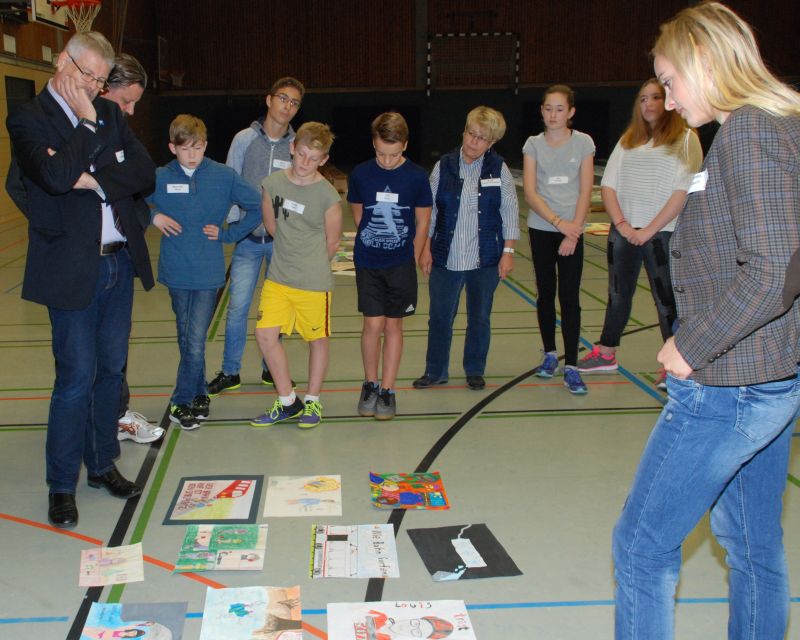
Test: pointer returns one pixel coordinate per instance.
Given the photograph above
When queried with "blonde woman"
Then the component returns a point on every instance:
(722, 441)
(644, 189)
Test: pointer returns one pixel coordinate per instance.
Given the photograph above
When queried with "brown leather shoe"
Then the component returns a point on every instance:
(116, 484)
(63, 512)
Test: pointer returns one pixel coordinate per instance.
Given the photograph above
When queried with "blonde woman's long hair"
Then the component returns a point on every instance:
(669, 129)
(716, 53)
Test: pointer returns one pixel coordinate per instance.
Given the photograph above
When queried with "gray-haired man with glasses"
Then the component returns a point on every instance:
(255, 153)
(75, 171)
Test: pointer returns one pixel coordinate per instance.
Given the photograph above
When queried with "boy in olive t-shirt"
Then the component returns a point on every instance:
(303, 212)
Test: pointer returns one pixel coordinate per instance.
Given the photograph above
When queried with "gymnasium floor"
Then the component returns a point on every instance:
(546, 471)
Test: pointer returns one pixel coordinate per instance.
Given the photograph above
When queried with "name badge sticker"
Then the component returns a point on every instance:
(386, 196)
(699, 181)
(281, 164)
(291, 205)
(120, 155)
(558, 180)
(490, 182)
(177, 188)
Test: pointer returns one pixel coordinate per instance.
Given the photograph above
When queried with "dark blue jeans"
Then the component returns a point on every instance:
(624, 264)
(90, 347)
(445, 288)
(193, 313)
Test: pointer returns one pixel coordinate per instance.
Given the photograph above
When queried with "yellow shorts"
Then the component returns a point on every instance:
(288, 308)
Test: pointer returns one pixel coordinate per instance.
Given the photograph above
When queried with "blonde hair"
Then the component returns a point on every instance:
(186, 128)
(716, 54)
(669, 129)
(315, 135)
(489, 119)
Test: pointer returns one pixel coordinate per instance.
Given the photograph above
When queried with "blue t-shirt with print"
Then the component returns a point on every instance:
(388, 197)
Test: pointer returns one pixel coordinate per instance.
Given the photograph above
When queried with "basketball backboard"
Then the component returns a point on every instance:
(42, 11)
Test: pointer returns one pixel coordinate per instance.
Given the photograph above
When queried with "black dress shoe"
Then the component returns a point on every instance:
(427, 381)
(63, 512)
(476, 383)
(116, 484)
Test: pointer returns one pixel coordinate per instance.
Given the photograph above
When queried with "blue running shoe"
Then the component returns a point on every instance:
(548, 366)
(573, 382)
(279, 413)
(312, 415)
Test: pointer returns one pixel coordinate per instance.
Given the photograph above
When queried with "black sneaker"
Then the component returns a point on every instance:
(224, 382)
(201, 406)
(386, 405)
(367, 399)
(266, 378)
(183, 415)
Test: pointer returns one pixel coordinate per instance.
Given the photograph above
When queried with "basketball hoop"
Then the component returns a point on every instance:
(81, 12)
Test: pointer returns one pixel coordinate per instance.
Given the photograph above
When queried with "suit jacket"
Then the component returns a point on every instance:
(739, 322)
(65, 224)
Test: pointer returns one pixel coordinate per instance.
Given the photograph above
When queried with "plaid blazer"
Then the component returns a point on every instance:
(731, 251)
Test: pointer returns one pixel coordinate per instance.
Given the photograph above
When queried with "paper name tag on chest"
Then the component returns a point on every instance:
(699, 181)
(468, 553)
(281, 164)
(120, 155)
(291, 205)
(558, 180)
(386, 196)
(177, 188)
(490, 182)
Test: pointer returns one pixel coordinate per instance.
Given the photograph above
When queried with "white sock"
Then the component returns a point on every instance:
(288, 401)
(310, 398)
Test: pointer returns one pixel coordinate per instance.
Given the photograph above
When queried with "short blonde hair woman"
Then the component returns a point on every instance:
(722, 442)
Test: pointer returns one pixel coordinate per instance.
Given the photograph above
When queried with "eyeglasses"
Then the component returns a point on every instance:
(90, 77)
(478, 137)
(287, 100)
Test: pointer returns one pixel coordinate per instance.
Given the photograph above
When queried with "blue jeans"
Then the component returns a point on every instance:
(624, 264)
(720, 448)
(245, 269)
(445, 288)
(193, 313)
(90, 347)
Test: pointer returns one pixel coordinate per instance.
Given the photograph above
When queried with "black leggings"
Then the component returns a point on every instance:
(567, 281)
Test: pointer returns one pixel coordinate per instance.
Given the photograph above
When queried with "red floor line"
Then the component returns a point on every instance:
(149, 559)
(13, 244)
(445, 387)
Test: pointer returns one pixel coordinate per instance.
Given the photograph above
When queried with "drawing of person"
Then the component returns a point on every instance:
(387, 628)
(134, 629)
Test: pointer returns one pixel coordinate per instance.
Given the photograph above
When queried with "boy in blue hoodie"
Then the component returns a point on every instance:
(189, 205)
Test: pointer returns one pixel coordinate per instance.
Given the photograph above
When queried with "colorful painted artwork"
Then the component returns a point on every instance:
(147, 621)
(292, 496)
(102, 566)
(204, 499)
(354, 551)
(408, 491)
(222, 547)
(402, 620)
(252, 613)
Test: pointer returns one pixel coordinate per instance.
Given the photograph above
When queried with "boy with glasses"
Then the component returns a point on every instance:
(255, 153)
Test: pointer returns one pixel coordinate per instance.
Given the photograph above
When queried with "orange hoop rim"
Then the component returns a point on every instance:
(74, 3)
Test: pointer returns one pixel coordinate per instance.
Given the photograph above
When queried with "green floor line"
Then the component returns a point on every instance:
(795, 481)
(147, 508)
(223, 306)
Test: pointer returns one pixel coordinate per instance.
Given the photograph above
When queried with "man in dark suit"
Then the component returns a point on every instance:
(75, 171)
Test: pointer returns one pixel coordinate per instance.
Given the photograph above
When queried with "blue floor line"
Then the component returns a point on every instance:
(491, 606)
(630, 376)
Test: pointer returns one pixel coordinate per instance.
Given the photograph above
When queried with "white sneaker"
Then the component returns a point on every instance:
(134, 426)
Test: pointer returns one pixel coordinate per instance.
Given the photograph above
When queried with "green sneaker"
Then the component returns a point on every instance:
(312, 415)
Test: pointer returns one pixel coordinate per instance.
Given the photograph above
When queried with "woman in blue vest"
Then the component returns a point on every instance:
(471, 245)
(558, 171)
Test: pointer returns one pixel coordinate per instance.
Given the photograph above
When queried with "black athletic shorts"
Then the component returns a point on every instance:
(390, 292)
